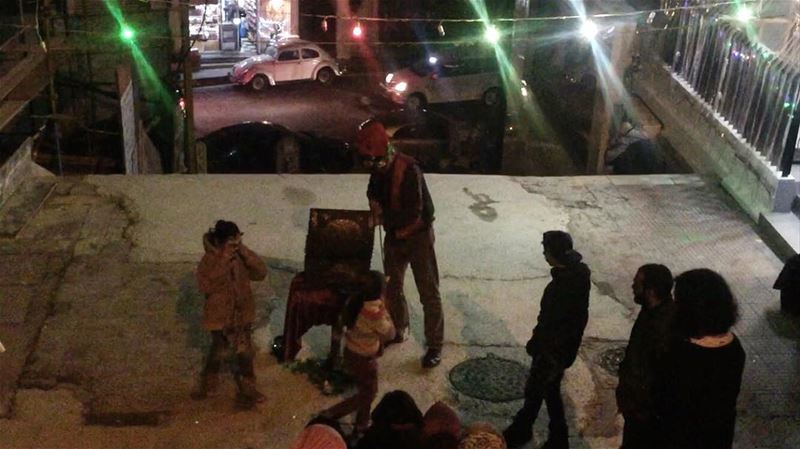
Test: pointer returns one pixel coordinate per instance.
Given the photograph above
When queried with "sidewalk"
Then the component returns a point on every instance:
(104, 323)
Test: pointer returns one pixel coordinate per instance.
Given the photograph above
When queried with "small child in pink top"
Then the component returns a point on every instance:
(368, 326)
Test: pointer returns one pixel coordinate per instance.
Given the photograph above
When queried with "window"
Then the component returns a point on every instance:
(289, 55)
(310, 53)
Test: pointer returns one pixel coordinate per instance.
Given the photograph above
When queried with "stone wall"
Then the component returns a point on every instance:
(711, 146)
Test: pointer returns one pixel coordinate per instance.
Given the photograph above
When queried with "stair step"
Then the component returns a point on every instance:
(23, 205)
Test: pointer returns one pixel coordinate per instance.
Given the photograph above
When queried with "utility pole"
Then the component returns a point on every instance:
(188, 96)
(52, 89)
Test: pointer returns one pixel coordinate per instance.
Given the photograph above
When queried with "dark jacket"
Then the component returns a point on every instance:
(403, 196)
(648, 343)
(788, 282)
(696, 389)
(564, 312)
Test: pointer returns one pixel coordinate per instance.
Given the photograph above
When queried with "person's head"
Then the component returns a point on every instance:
(319, 436)
(373, 146)
(556, 245)
(226, 234)
(481, 435)
(326, 421)
(441, 427)
(705, 304)
(397, 410)
(372, 286)
(652, 285)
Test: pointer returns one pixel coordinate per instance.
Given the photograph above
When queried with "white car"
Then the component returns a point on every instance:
(293, 60)
(432, 81)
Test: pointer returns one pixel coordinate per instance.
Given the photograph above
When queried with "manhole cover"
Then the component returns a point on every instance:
(611, 358)
(490, 378)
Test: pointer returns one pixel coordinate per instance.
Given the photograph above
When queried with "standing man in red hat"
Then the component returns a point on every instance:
(400, 201)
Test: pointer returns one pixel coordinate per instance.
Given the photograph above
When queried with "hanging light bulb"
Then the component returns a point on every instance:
(588, 30)
(744, 14)
(325, 25)
(491, 34)
(440, 29)
(357, 31)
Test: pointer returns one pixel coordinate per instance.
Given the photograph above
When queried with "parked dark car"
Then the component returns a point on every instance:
(424, 135)
(263, 147)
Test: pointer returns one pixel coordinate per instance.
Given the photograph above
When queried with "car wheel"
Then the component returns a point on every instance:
(325, 76)
(259, 82)
(492, 97)
(415, 102)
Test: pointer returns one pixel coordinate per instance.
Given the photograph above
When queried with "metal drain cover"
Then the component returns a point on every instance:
(490, 378)
(611, 358)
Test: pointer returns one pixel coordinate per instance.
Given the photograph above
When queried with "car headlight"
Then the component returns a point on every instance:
(389, 78)
(401, 86)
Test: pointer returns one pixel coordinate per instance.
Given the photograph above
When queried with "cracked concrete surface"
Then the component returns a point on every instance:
(105, 269)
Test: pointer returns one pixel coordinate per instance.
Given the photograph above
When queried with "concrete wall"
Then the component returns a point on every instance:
(18, 167)
(711, 146)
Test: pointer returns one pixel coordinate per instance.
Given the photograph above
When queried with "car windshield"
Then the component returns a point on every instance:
(259, 59)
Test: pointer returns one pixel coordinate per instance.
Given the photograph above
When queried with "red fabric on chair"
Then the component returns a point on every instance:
(308, 305)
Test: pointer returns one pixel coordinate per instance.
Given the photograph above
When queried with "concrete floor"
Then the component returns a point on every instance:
(105, 319)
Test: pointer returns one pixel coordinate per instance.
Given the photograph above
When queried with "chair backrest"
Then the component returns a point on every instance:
(338, 245)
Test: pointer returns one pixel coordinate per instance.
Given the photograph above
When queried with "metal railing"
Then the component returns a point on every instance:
(753, 89)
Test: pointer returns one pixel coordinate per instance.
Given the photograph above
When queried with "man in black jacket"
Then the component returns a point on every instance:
(554, 344)
(650, 336)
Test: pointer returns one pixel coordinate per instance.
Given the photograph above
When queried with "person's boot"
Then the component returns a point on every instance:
(556, 439)
(516, 435)
(555, 443)
(432, 357)
(207, 384)
(400, 336)
(248, 395)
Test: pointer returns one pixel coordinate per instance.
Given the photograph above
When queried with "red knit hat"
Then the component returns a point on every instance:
(371, 139)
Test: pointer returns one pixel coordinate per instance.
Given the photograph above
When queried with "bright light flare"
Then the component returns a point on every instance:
(433, 60)
(589, 30)
(744, 14)
(401, 86)
(127, 33)
(357, 31)
(492, 35)
(389, 77)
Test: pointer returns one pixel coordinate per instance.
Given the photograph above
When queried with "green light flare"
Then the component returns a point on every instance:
(491, 35)
(531, 114)
(146, 72)
(744, 14)
(127, 33)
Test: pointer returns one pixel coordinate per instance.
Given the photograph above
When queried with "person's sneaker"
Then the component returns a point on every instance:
(205, 385)
(432, 358)
(245, 402)
(258, 397)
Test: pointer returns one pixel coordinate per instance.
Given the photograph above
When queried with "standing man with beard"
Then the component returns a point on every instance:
(650, 336)
(400, 201)
(553, 347)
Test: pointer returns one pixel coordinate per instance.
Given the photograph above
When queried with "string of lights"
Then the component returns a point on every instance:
(528, 19)
(358, 19)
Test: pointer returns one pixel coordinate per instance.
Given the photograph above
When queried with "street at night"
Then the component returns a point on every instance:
(399, 224)
(333, 111)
